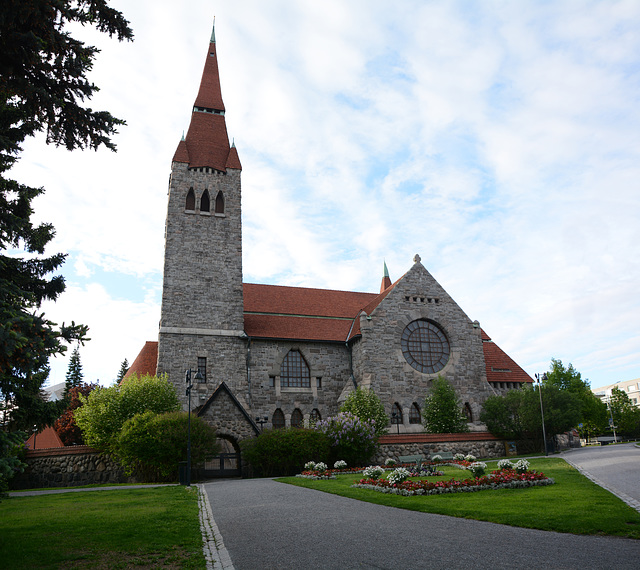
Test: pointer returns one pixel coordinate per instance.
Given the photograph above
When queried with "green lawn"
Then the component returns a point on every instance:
(574, 504)
(147, 528)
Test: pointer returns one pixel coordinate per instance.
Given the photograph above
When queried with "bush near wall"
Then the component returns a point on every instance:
(281, 452)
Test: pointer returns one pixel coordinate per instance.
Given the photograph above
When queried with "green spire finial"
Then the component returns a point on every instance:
(213, 32)
(386, 271)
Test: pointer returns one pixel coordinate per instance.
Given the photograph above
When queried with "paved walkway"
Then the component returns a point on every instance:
(268, 525)
(614, 467)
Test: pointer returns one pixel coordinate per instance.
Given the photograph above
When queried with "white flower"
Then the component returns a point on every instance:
(389, 461)
(398, 475)
(310, 466)
(459, 456)
(470, 457)
(521, 466)
(437, 458)
(321, 467)
(373, 472)
(340, 464)
(505, 464)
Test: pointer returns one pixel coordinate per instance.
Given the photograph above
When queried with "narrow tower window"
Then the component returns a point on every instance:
(191, 200)
(204, 202)
(202, 368)
(219, 203)
(396, 414)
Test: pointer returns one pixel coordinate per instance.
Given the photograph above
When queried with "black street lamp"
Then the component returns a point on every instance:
(262, 421)
(199, 378)
(541, 379)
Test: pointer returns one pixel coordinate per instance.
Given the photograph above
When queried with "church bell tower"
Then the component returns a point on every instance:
(202, 323)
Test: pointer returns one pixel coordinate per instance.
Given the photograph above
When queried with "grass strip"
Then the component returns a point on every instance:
(574, 504)
(123, 528)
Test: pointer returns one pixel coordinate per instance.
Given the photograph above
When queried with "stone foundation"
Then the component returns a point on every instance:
(68, 467)
(482, 445)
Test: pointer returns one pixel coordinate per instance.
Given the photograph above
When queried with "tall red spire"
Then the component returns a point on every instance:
(207, 142)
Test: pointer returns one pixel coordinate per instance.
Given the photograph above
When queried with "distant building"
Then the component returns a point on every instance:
(282, 356)
(631, 388)
(54, 392)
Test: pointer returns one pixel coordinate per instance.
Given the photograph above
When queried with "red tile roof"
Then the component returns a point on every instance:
(500, 366)
(207, 141)
(146, 362)
(210, 94)
(46, 439)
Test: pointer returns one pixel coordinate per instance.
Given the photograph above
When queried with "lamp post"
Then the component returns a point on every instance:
(540, 379)
(262, 421)
(35, 433)
(199, 378)
(613, 427)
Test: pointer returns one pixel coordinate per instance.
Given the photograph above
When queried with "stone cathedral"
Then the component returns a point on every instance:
(281, 356)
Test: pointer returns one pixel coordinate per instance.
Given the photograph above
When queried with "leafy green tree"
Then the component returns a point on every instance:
(626, 417)
(124, 367)
(503, 415)
(352, 439)
(153, 444)
(43, 87)
(592, 411)
(105, 410)
(442, 412)
(366, 404)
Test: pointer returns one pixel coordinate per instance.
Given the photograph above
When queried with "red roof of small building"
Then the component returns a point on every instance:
(48, 438)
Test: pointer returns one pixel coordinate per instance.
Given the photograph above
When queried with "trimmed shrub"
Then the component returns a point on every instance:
(280, 452)
(153, 444)
(365, 404)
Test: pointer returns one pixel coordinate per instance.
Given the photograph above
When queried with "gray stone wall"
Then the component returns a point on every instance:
(67, 468)
(481, 449)
(380, 364)
(329, 370)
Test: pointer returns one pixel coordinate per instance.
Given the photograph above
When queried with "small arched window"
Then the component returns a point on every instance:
(278, 419)
(191, 200)
(219, 203)
(295, 371)
(204, 202)
(396, 414)
(414, 414)
(296, 418)
(315, 416)
(467, 412)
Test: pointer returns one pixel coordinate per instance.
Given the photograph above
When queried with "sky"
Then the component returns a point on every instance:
(498, 140)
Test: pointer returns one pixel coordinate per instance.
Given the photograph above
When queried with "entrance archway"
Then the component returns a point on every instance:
(228, 463)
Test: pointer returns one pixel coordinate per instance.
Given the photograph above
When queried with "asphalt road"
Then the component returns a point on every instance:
(616, 467)
(268, 525)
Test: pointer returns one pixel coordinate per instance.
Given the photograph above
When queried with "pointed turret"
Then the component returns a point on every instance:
(386, 281)
(207, 143)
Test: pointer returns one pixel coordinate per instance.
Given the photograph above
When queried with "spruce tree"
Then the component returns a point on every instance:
(74, 373)
(124, 367)
(43, 87)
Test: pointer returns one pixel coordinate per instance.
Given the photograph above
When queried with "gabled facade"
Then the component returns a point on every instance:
(287, 355)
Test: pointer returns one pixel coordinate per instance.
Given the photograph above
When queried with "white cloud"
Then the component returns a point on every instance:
(499, 140)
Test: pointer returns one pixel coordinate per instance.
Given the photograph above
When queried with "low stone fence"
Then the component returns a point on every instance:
(67, 467)
(480, 444)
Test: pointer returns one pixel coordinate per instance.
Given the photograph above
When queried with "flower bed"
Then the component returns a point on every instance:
(503, 479)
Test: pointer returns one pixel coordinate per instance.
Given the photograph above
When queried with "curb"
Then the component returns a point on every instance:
(215, 553)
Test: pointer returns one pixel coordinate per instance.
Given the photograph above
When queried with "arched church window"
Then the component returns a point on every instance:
(295, 371)
(204, 202)
(219, 203)
(414, 414)
(396, 414)
(315, 416)
(191, 200)
(467, 412)
(425, 346)
(296, 418)
(278, 419)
